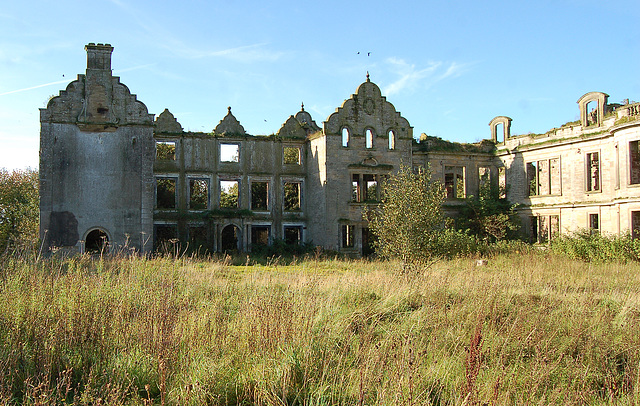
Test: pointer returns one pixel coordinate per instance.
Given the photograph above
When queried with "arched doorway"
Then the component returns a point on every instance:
(96, 242)
(230, 238)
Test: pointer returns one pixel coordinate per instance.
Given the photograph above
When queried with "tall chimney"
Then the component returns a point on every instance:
(99, 56)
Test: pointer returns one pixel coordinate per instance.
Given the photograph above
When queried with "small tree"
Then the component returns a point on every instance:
(19, 208)
(409, 219)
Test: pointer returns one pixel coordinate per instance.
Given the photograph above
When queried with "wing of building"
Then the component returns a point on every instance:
(113, 175)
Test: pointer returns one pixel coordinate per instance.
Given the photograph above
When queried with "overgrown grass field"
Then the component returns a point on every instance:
(523, 329)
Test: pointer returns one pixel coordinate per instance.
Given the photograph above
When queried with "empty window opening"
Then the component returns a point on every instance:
(292, 196)
(230, 238)
(260, 235)
(229, 153)
(165, 193)
(198, 238)
(500, 133)
(229, 192)
(198, 194)
(368, 138)
(355, 188)
(371, 187)
(543, 177)
(260, 196)
(592, 112)
(594, 223)
(165, 236)
(392, 140)
(502, 182)
(291, 155)
(635, 224)
(554, 176)
(166, 150)
(96, 242)
(454, 182)
(593, 172)
(347, 236)
(484, 178)
(544, 228)
(554, 226)
(532, 178)
(345, 137)
(368, 242)
(293, 234)
(634, 162)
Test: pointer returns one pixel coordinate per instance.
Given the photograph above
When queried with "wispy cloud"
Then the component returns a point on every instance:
(411, 77)
(34, 87)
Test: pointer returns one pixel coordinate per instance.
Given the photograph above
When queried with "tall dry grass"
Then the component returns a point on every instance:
(525, 329)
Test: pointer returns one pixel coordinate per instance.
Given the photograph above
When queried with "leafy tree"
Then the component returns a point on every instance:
(488, 216)
(229, 195)
(409, 221)
(19, 208)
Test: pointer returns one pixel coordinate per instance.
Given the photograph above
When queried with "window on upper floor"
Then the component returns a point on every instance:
(454, 182)
(593, 172)
(392, 140)
(345, 137)
(166, 193)
(166, 150)
(229, 194)
(229, 152)
(260, 196)
(634, 162)
(291, 156)
(292, 196)
(502, 182)
(198, 194)
(543, 177)
(368, 139)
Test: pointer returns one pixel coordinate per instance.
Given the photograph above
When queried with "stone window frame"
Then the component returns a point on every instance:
(165, 142)
(228, 178)
(199, 224)
(593, 218)
(223, 143)
(176, 178)
(260, 224)
(270, 197)
(361, 189)
(301, 197)
(548, 160)
(293, 146)
(634, 231)
(589, 187)
(206, 178)
(299, 225)
(465, 181)
(345, 139)
(163, 223)
(369, 137)
(551, 232)
(392, 139)
(347, 239)
(630, 178)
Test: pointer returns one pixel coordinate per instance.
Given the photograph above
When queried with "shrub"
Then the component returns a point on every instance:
(595, 247)
(19, 209)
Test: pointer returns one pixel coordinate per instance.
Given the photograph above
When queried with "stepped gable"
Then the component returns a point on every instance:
(368, 109)
(306, 121)
(97, 97)
(167, 123)
(229, 126)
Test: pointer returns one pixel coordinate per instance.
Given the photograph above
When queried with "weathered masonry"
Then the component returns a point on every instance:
(113, 175)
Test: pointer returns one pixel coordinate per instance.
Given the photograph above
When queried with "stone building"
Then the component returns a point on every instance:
(112, 173)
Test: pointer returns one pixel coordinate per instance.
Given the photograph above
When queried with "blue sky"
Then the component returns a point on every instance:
(448, 67)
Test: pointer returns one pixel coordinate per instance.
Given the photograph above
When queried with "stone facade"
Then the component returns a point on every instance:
(111, 173)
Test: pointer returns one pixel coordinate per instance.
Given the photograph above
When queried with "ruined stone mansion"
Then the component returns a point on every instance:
(112, 172)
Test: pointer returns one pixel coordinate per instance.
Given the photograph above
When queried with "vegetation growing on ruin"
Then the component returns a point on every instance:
(431, 143)
(524, 329)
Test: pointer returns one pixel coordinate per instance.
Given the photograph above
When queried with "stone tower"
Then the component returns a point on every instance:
(96, 164)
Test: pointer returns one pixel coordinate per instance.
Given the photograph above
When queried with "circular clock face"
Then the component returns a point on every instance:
(368, 106)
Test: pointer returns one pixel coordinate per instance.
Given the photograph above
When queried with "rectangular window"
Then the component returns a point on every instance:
(165, 193)
(229, 192)
(165, 236)
(543, 177)
(198, 194)
(532, 178)
(166, 150)
(502, 182)
(594, 223)
(371, 185)
(291, 156)
(292, 194)
(593, 172)
(635, 224)
(229, 152)
(355, 188)
(260, 196)
(634, 162)
(554, 176)
(484, 177)
(260, 235)
(454, 182)
(544, 228)
(347, 236)
(293, 234)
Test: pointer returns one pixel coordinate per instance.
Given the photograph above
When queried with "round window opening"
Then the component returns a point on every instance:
(96, 242)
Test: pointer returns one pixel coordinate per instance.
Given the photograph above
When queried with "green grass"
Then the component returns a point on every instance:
(524, 329)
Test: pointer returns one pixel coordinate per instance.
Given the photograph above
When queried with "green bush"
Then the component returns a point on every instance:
(595, 247)
(19, 209)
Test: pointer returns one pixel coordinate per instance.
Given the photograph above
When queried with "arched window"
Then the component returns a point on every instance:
(345, 137)
(392, 139)
(368, 139)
